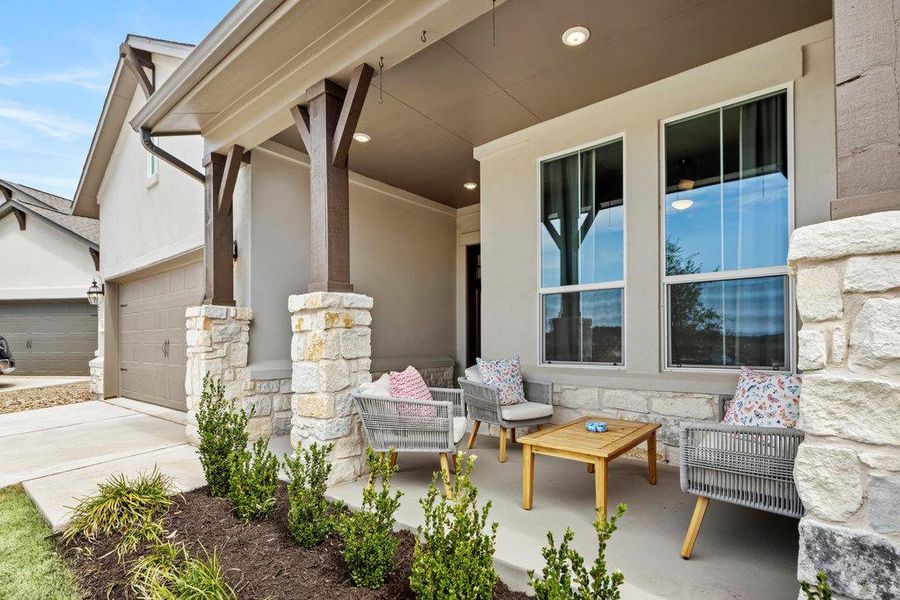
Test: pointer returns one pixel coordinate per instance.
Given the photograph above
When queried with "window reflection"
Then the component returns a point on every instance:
(583, 326)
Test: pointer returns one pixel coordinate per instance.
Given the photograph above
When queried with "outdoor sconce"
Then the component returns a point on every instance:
(95, 293)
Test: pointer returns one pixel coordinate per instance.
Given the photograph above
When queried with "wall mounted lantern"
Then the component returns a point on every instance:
(95, 293)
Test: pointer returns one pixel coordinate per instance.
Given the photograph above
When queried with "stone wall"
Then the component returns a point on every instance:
(670, 409)
(217, 343)
(848, 467)
(96, 366)
(439, 376)
(331, 350)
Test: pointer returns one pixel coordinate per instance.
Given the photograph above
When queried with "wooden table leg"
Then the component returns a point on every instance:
(590, 467)
(600, 485)
(527, 477)
(694, 528)
(445, 474)
(651, 458)
(473, 435)
(512, 435)
(503, 444)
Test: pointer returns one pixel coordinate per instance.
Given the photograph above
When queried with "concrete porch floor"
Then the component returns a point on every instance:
(740, 553)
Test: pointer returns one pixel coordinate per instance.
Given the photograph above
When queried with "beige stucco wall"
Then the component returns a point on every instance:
(402, 254)
(509, 200)
(41, 262)
(146, 221)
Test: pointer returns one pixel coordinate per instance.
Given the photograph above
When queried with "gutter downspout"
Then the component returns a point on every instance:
(147, 142)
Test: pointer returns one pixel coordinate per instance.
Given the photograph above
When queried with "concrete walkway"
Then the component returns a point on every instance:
(62, 453)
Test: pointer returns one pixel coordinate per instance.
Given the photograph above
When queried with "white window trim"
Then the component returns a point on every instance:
(781, 270)
(606, 285)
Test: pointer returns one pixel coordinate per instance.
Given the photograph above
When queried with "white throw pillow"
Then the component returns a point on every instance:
(380, 388)
(473, 374)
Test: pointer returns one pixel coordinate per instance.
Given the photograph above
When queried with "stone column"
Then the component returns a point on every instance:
(848, 467)
(331, 352)
(217, 342)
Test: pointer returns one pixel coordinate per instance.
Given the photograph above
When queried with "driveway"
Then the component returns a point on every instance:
(15, 383)
(60, 454)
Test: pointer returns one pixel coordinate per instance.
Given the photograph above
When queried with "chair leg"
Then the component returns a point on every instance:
(445, 474)
(473, 435)
(393, 459)
(694, 528)
(590, 467)
(503, 444)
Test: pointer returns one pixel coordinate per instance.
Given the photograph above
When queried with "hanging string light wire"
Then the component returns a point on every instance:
(380, 80)
(494, 22)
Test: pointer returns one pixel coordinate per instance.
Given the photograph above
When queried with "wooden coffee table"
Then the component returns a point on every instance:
(574, 442)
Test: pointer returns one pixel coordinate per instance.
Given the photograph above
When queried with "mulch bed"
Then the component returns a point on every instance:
(43, 397)
(260, 559)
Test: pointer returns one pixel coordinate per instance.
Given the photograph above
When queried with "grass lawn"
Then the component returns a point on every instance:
(30, 567)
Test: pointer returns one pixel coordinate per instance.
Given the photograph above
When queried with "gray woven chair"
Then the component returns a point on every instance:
(483, 405)
(387, 430)
(749, 466)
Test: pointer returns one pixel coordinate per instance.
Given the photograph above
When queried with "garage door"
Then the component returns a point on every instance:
(151, 334)
(50, 337)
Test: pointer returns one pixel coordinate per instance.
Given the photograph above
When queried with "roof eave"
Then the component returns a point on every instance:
(224, 37)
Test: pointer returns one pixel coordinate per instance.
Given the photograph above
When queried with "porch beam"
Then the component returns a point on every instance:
(20, 217)
(350, 112)
(226, 191)
(218, 236)
(301, 120)
(7, 193)
(95, 256)
(139, 62)
(329, 183)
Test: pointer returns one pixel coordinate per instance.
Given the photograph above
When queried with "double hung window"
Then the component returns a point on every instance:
(727, 223)
(582, 256)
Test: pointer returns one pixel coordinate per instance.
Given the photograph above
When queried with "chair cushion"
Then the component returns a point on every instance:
(505, 375)
(459, 428)
(763, 400)
(526, 410)
(380, 388)
(473, 374)
(409, 384)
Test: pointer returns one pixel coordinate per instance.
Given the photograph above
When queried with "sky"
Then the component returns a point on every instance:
(57, 58)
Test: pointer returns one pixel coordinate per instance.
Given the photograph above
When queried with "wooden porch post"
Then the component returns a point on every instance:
(219, 235)
(326, 127)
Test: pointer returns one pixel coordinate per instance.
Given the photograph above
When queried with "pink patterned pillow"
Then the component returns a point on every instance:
(505, 375)
(409, 384)
(765, 400)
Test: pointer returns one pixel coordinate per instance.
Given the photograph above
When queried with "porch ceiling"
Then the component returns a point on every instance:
(462, 91)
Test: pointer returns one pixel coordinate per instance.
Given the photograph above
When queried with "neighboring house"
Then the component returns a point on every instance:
(48, 259)
(608, 190)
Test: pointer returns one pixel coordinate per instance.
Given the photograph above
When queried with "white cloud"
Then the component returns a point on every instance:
(88, 79)
(44, 120)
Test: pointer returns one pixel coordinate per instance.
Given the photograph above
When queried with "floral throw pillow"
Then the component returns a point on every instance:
(505, 375)
(763, 400)
(409, 384)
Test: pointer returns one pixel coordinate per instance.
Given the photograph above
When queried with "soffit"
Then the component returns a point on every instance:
(462, 91)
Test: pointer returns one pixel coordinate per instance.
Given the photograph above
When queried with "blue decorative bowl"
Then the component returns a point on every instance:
(596, 426)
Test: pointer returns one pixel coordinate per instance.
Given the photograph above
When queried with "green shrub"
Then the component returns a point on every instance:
(565, 567)
(369, 543)
(222, 431)
(253, 481)
(454, 553)
(820, 591)
(131, 507)
(168, 572)
(310, 517)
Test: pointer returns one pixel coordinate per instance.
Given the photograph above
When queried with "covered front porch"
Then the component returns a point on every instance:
(740, 553)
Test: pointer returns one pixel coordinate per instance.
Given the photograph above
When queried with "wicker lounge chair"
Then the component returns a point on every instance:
(749, 466)
(387, 429)
(483, 405)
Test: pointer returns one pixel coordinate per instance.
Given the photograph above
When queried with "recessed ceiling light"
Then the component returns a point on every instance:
(682, 204)
(361, 137)
(576, 36)
(470, 185)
